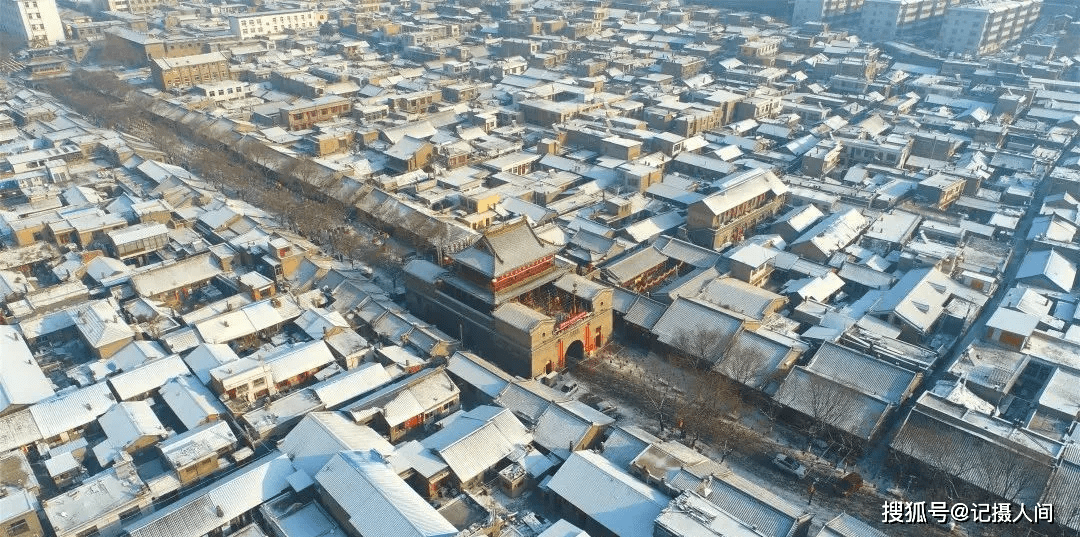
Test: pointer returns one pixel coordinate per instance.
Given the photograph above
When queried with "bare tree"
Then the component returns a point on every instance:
(949, 456)
(119, 56)
(659, 399)
(734, 436)
(101, 81)
(258, 153)
(441, 239)
(217, 167)
(417, 225)
(8, 45)
(745, 364)
(392, 266)
(168, 140)
(307, 174)
(703, 400)
(656, 397)
(827, 405)
(704, 345)
(706, 400)
(1014, 478)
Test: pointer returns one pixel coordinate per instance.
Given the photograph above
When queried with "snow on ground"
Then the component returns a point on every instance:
(865, 504)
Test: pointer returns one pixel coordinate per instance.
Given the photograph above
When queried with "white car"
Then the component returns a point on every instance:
(789, 464)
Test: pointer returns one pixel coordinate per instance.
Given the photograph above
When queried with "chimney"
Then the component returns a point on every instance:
(125, 467)
(705, 488)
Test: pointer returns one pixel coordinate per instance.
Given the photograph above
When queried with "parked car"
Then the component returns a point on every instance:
(789, 464)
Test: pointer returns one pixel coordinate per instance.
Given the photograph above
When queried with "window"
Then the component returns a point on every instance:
(130, 513)
(19, 526)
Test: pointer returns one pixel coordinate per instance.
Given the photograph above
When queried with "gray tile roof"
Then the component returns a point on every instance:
(408, 397)
(644, 312)
(1055, 268)
(862, 372)
(631, 266)
(624, 444)
(319, 435)
(686, 252)
(740, 187)
(475, 441)
(740, 297)
(504, 248)
(610, 496)
(224, 500)
(71, 410)
(520, 316)
(356, 382)
(376, 500)
(837, 405)
(148, 377)
(747, 501)
(685, 317)
(582, 287)
(845, 525)
(834, 232)
(478, 373)
(1063, 489)
(754, 358)
(528, 399)
(987, 452)
(559, 431)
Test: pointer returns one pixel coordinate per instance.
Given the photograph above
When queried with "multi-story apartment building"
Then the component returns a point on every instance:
(36, 22)
(760, 105)
(413, 35)
(987, 28)
(760, 51)
(883, 20)
(303, 114)
(275, 22)
(523, 27)
(822, 159)
(136, 7)
(84, 29)
(941, 190)
(226, 90)
(892, 150)
(187, 71)
(744, 200)
(838, 12)
(138, 49)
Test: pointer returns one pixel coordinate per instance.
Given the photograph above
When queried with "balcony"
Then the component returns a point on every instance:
(754, 216)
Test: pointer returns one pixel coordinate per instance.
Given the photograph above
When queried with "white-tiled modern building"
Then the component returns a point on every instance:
(882, 20)
(987, 28)
(37, 22)
(274, 22)
(841, 12)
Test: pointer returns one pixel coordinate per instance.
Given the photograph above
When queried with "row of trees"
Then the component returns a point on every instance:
(290, 188)
(745, 368)
(687, 397)
(691, 398)
(957, 466)
(712, 380)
